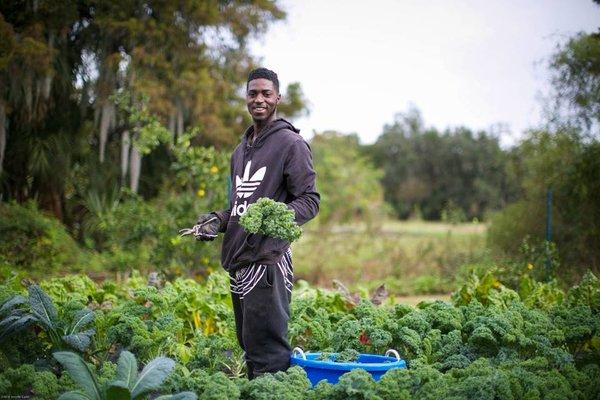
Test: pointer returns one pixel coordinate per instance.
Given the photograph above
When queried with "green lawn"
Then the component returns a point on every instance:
(411, 257)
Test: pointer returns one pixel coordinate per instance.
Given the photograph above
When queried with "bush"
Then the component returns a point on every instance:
(36, 242)
(144, 235)
(570, 166)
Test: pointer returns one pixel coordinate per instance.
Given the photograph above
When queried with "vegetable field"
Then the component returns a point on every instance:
(143, 339)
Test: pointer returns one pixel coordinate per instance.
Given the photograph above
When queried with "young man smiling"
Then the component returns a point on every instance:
(272, 161)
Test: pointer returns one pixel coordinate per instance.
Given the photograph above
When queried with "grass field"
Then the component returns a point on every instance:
(411, 257)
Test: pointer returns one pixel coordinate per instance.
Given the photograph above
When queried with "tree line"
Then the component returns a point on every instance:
(459, 174)
(89, 90)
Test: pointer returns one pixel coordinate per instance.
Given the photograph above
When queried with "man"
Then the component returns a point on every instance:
(272, 161)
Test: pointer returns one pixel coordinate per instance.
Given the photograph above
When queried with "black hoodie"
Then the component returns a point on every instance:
(278, 165)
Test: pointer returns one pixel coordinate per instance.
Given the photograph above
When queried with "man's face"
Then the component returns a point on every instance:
(262, 99)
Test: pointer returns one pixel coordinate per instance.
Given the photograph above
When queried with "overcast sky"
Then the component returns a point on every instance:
(474, 63)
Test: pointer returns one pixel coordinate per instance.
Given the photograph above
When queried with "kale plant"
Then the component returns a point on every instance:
(271, 218)
(25, 381)
(19, 312)
(128, 385)
(344, 356)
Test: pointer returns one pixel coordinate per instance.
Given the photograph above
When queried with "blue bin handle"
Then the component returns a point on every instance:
(301, 352)
(394, 353)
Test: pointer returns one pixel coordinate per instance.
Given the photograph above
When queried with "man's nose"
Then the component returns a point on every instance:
(259, 98)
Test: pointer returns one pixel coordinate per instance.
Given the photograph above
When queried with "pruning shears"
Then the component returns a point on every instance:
(195, 230)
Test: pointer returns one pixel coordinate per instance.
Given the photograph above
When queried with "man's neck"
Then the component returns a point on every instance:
(259, 127)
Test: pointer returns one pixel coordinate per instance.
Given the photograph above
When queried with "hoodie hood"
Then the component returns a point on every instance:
(273, 127)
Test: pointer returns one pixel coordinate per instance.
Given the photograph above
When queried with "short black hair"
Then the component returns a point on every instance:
(263, 73)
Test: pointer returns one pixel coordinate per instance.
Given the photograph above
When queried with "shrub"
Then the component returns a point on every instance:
(36, 242)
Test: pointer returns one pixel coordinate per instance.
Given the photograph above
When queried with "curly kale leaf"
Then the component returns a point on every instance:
(361, 335)
(271, 218)
(25, 381)
(289, 385)
(183, 379)
(310, 325)
(396, 384)
(344, 356)
(220, 387)
(347, 355)
(587, 293)
(442, 316)
(357, 384)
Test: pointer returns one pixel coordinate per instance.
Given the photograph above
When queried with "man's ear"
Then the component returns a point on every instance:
(278, 97)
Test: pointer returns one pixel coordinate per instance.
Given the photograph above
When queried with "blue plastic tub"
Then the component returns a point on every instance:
(332, 371)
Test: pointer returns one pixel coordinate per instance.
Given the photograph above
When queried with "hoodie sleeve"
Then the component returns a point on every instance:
(300, 178)
(223, 216)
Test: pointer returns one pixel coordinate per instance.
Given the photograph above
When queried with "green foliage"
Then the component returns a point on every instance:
(271, 218)
(143, 235)
(128, 384)
(586, 293)
(293, 104)
(179, 320)
(456, 174)
(568, 165)
(55, 106)
(18, 313)
(348, 182)
(35, 242)
(488, 343)
(290, 385)
(486, 290)
(452, 213)
(344, 356)
(576, 80)
(347, 355)
(357, 384)
(410, 257)
(147, 130)
(201, 169)
(184, 379)
(220, 387)
(27, 381)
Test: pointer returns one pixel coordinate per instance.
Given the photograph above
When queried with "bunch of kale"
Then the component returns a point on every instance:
(271, 218)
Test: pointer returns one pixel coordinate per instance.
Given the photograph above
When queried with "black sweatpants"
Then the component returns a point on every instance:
(261, 297)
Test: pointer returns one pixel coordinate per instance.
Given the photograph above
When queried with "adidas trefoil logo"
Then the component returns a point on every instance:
(246, 185)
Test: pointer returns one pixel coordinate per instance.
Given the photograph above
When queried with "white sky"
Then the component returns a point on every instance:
(474, 63)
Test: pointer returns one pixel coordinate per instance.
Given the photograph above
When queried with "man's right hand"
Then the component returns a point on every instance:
(209, 228)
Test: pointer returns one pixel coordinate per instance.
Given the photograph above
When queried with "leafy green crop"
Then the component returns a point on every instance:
(344, 356)
(19, 312)
(489, 343)
(26, 380)
(290, 385)
(271, 218)
(129, 383)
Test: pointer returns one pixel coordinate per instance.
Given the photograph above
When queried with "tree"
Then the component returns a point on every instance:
(432, 173)
(576, 81)
(347, 181)
(294, 103)
(61, 135)
(570, 166)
